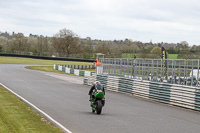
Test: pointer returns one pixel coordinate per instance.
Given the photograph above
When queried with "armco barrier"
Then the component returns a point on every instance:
(65, 69)
(178, 95)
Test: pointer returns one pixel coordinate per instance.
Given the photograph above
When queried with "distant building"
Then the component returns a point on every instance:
(6, 35)
(20, 34)
(31, 35)
(88, 38)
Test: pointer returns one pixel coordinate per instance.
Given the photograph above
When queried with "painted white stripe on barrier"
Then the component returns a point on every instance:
(182, 88)
(67, 70)
(40, 111)
(184, 97)
(112, 83)
(87, 73)
(141, 88)
(60, 68)
(76, 72)
(91, 79)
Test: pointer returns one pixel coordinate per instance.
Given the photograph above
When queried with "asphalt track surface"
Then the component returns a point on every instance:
(65, 99)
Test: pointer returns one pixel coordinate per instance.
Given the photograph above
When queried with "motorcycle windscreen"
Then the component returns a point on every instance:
(99, 95)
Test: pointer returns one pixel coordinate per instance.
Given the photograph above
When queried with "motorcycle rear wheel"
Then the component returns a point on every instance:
(99, 107)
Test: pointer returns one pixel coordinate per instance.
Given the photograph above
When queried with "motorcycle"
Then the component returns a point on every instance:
(98, 101)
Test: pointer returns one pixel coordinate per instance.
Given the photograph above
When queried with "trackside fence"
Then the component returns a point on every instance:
(174, 82)
(173, 71)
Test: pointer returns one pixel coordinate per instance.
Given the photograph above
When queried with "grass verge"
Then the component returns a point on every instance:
(46, 69)
(172, 56)
(18, 117)
(50, 69)
(19, 60)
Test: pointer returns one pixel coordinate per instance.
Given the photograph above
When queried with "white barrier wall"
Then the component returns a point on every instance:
(87, 73)
(67, 70)
(74, 71)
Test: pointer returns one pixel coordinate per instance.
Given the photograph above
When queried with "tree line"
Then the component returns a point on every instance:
(68, 44)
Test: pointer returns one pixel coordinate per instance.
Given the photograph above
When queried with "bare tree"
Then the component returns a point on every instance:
(102, 47)
(115, 51)
(66, 42)
(32, 42)
(3, 43)
(88, 49)
(183, 45)
(19, 43)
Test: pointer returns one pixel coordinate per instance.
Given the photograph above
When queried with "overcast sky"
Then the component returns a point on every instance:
(169, 21)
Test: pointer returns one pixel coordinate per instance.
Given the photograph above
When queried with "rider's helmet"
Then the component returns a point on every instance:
(98, 85)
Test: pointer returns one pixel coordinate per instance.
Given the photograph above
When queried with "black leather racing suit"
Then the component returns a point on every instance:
(91, 92)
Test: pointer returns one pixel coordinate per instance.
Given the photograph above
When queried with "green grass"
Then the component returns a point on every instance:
(129, 55)
(172, 56)
(92, 70)
(18, 117)
(50, 69)
(19, 60)
(44, 68)
(47, 69)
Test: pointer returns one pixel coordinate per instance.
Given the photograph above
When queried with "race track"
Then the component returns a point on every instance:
(65, 99)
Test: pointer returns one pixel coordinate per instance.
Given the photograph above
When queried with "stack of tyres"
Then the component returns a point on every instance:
(72, 71)
(81, 73)
(125, 85)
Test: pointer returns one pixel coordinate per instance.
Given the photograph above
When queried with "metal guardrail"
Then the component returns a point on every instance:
(173, 71)
(178, 95)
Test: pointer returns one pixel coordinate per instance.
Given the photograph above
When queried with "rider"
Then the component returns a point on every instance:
(96, 86)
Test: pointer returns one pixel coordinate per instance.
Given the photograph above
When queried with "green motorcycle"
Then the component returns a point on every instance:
(98, 101)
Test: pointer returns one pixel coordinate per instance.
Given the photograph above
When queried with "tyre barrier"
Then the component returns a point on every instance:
(65, 69)
(79, 66)
(178, 95)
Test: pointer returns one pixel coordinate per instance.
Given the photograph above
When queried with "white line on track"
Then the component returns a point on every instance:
(40, 111)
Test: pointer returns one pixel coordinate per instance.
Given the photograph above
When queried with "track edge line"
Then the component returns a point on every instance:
(39, 110)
